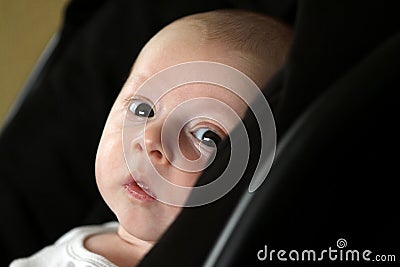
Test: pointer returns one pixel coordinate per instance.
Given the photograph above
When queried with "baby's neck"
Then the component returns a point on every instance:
(116, 249)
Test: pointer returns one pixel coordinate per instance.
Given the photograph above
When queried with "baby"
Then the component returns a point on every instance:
(251, 43)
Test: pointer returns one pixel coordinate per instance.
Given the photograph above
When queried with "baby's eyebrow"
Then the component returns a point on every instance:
(135, 80)
(140, 78)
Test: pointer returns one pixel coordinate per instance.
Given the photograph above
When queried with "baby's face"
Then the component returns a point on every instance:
(135, 114)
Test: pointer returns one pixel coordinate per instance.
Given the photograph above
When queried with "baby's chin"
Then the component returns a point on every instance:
(147, 222)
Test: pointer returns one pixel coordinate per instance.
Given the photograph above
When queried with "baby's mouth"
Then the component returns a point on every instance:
(145, 188)
(139, 189)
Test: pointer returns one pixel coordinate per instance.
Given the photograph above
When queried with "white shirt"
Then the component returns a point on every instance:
(69, 250)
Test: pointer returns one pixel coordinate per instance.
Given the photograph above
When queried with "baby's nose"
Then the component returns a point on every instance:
(152, 145)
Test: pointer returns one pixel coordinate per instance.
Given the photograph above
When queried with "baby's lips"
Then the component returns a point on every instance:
(145, 188)
(138, 179)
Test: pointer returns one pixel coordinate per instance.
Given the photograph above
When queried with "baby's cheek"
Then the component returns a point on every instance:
(109, 155)
(187, 147)
(186, 179)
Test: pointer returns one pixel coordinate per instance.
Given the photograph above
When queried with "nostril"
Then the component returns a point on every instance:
(157, 154)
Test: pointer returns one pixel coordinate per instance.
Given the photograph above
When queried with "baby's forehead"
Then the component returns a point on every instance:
(189, 91)
(202, 95)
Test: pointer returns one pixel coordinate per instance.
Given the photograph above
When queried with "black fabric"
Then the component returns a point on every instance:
(48, 147)
(330, 38)
(333, 177)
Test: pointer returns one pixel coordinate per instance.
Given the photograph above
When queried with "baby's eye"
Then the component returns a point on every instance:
(207, 136)
(141, 108)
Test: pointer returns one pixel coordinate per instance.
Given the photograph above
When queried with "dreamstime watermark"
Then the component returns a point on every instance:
(219, 77)
(338, 253)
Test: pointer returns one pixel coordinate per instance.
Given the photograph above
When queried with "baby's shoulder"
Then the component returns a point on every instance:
(69, 250)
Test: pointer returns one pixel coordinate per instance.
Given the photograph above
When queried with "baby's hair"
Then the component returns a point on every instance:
(253, 34)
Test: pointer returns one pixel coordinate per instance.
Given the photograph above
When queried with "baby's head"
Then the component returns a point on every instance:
(256, 43)
(253, 44)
